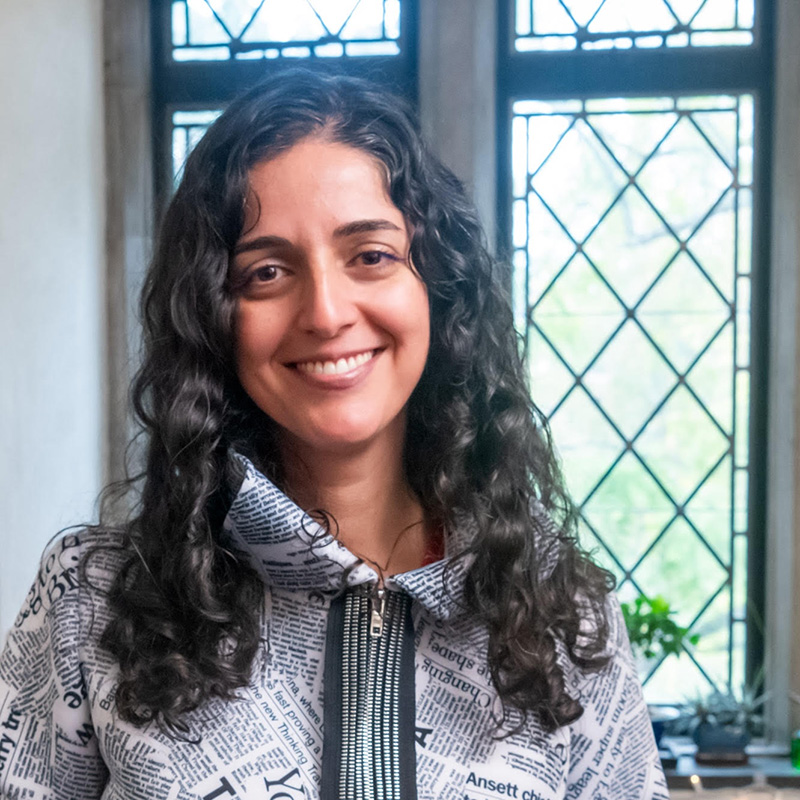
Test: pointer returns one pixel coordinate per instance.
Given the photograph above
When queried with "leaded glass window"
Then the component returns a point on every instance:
(632, 286)
(607, 24)
(246, 29)
(635, 194)
(188, 128)
(207, 51)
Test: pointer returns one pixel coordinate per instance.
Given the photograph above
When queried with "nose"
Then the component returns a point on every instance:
(327, 303)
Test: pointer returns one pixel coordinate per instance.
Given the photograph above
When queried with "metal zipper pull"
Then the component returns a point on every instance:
(378, 609)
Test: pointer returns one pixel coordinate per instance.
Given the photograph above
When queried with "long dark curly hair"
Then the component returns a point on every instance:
(478, 453)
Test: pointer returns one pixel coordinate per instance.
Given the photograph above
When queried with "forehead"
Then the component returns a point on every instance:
(319, 174)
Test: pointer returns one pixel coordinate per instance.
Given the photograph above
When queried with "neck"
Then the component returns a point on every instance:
(378, 517)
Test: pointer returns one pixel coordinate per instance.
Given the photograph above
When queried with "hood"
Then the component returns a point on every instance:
(293, 552)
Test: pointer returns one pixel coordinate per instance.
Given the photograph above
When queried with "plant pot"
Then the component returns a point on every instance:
(720, 742)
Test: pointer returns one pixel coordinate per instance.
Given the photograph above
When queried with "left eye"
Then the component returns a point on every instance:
(372, 258)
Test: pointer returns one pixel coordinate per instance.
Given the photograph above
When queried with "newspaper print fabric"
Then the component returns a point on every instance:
(60, 738)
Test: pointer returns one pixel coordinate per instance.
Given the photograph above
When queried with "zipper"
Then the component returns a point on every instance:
(378, 602)
(369, 750)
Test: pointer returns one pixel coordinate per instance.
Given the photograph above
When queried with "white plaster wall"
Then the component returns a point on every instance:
(51, 279)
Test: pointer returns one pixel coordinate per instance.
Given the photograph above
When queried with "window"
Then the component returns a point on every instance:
(207, 51)
(634, 167)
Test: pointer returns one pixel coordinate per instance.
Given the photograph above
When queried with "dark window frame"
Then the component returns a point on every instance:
(186, 85)
(673, 71)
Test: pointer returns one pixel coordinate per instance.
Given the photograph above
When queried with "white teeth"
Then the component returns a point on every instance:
(340, 367)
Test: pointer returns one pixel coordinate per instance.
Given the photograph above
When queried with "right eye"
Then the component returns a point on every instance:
(258, 281)
(265, 274)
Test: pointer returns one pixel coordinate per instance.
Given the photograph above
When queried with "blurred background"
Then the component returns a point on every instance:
(637, 163)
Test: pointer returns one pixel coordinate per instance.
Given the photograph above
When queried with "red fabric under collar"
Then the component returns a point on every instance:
(435, 549)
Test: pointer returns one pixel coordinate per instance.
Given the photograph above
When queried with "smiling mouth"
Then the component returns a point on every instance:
(340, 367)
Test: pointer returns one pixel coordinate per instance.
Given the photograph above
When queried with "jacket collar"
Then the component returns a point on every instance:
(292, 551)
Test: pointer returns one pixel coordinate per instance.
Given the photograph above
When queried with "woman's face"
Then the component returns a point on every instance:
(332, 323)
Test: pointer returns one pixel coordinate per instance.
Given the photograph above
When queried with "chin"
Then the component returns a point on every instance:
(342, 441)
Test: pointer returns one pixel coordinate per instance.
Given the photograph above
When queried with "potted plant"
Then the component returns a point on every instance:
(722, 724)
(653, 632)
(654, 635)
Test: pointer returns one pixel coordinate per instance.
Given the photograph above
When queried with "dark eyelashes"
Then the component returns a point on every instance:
(239, 280)
(383, 255)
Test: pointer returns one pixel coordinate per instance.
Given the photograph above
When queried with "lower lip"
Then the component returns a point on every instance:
(344, 380)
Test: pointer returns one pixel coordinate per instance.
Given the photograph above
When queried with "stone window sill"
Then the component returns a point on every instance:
(767, 765)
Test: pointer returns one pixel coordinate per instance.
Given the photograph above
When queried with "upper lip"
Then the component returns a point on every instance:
(323, 357)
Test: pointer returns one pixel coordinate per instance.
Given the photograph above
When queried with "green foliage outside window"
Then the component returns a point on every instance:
(652, 631)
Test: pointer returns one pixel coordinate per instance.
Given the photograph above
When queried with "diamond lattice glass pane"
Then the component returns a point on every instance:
(715, 634)
(744, 231)
(586, 443)
(519, 155)
(188, 128)
(628, 510)
(716, 15)
(743, 322)
(740, 484)
(681, 444)
(712, 245)
(720, 129)
(581, 11)
(523, 18)
(234, 14)
(579, 180)
(589, 24)
(629, 379)
(631, 246)
(293, 23)
(682, 567)
(578, 314)
(745, 140)
(366, 22)
(739, 636)
(335, 14)
(675, 680)
(710, 511)
(224, 29)
(544, 133)
(670, 178)
(623, 15)
(550, 16)
(204, 27)
(740, 577)
(712, 653)
(549, 247)
(632, 137)
(682, 312)
(685, 9)
(741, 437)
(550, 380)
(710, 378)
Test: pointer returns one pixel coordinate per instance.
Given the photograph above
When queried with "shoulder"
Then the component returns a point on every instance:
(72, 564)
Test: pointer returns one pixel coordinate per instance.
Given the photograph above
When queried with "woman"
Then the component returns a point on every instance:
(350, 510)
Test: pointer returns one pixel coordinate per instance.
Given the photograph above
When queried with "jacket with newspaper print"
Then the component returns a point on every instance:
(60, 738)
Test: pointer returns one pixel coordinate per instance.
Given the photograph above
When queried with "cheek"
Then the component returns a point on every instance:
(256, 338)
(408, 309)
(421, 315)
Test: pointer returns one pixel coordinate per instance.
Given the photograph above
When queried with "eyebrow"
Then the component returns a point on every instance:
(343, 231)
(365, 226)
